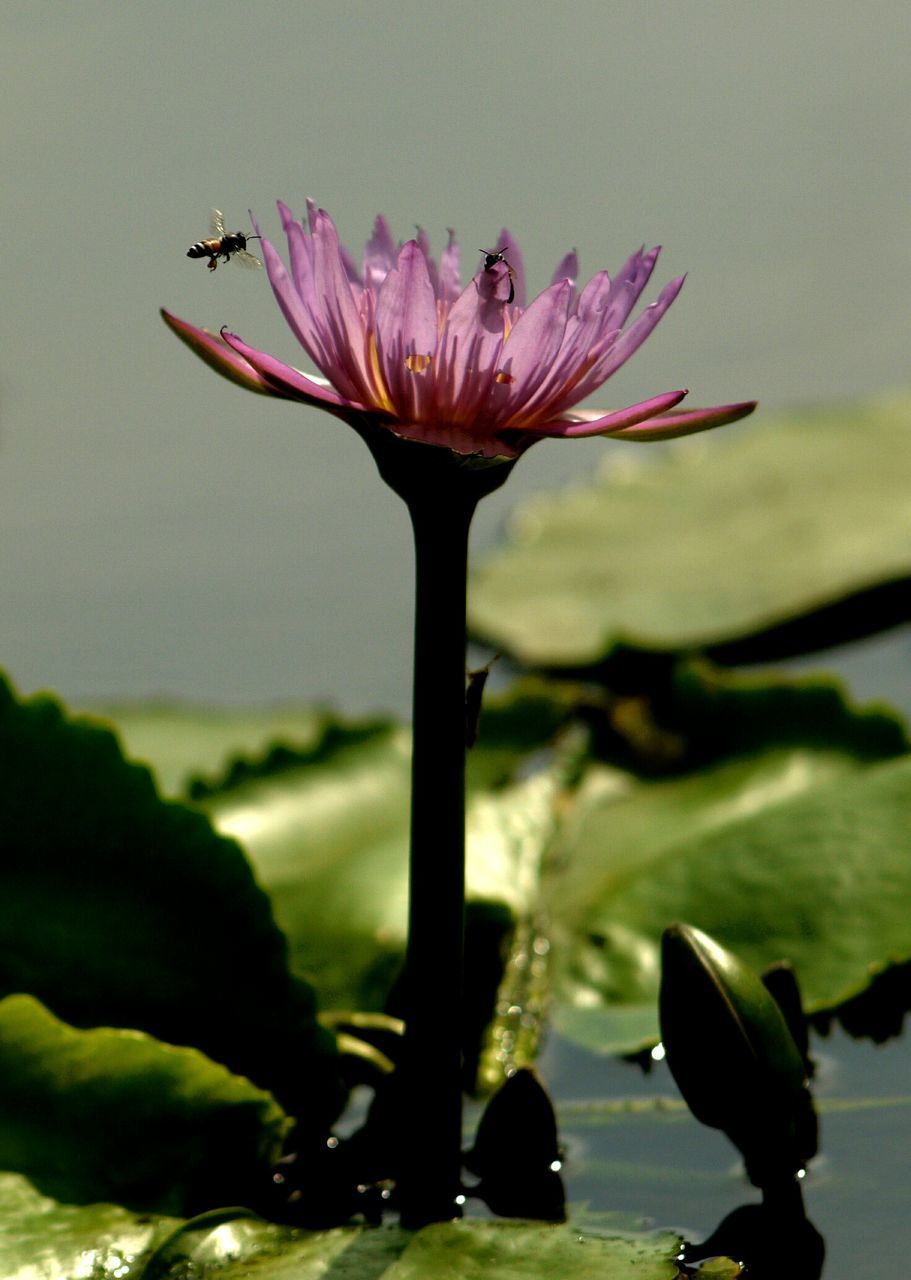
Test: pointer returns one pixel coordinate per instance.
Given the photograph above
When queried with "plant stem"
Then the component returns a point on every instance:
(431, 1138)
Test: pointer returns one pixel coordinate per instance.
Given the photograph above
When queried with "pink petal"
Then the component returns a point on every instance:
(627, 286)
(339, 319)
(618, 351)
(450, 283)
(469, 349)
(424, 244)
(612, 423)
(406, 327)
(531, 348)
(380, 253)
(282, 379)
(686, 422)
(297, 313)
(218, 355)
(567, 268)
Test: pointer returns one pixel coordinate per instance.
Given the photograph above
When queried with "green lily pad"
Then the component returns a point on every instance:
(183, 743)
(39, 1237)
(119, 909)
(107, 1114)
(796, 854)
(329, 839)
(523, 1251)
(731, 537)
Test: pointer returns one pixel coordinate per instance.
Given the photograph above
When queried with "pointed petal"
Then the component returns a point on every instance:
(531, 348)
(380, 254)
(627, 286)
(469, 350)
(686, 422)
(450, 283)
(339, 318)
(218, 355)
(567, 268)
(424, 243)
(618, 352)
(298, 315)
(406, 327)
(617, 421)
(282, 379)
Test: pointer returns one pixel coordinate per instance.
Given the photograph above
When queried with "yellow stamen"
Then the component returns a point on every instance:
(383, 400)
(417, 363)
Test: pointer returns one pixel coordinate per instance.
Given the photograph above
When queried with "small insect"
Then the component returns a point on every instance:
(224, 244)
(491, 258)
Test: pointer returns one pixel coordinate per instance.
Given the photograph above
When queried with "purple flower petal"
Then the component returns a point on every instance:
(531, 348)
(450, 282)
(687, 421)
(406, 332)
(347, 354)
(567, 268)
(380, 254)
(611, 423)
(282, 379)
(469, 349)
(618, 351)
(627, 286)
(218, 355)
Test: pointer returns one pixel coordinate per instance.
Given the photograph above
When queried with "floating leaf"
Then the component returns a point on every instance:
(519, 1251)
(731, 539)
(183, 742)
(60, 1242)
(794, 854)
(330, 841)
(115, 1115)
(119, 909)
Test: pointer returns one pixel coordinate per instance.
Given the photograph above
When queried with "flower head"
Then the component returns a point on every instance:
(403, 347)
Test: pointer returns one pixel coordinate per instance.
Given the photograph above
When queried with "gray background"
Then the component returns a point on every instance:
(165, 533)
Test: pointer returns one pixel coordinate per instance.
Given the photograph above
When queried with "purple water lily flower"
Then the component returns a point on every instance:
(477, 370)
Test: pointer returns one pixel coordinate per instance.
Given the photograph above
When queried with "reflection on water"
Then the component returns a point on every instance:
(650, 1162)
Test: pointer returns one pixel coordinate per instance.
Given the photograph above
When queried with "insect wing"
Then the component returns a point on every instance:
(246, 259)
(218, 224)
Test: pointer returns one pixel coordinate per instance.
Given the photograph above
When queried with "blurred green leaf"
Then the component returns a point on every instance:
(524, 1251)
(115, 1115)
(795, 854)
(41, 1238)
(329, 839)
(183, 743)
(730, 539)
(119, 909)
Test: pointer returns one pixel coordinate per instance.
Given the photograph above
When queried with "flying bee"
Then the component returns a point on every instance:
(491, 258)
(224, 244)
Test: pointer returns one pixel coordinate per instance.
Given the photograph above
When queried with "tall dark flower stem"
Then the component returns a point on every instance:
(441, 491)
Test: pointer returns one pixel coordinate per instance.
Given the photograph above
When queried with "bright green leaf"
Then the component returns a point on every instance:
(102, 1240)
(116, 1115)
(329, 839)
(797, 853)
(730, 536)
(525, 1251)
